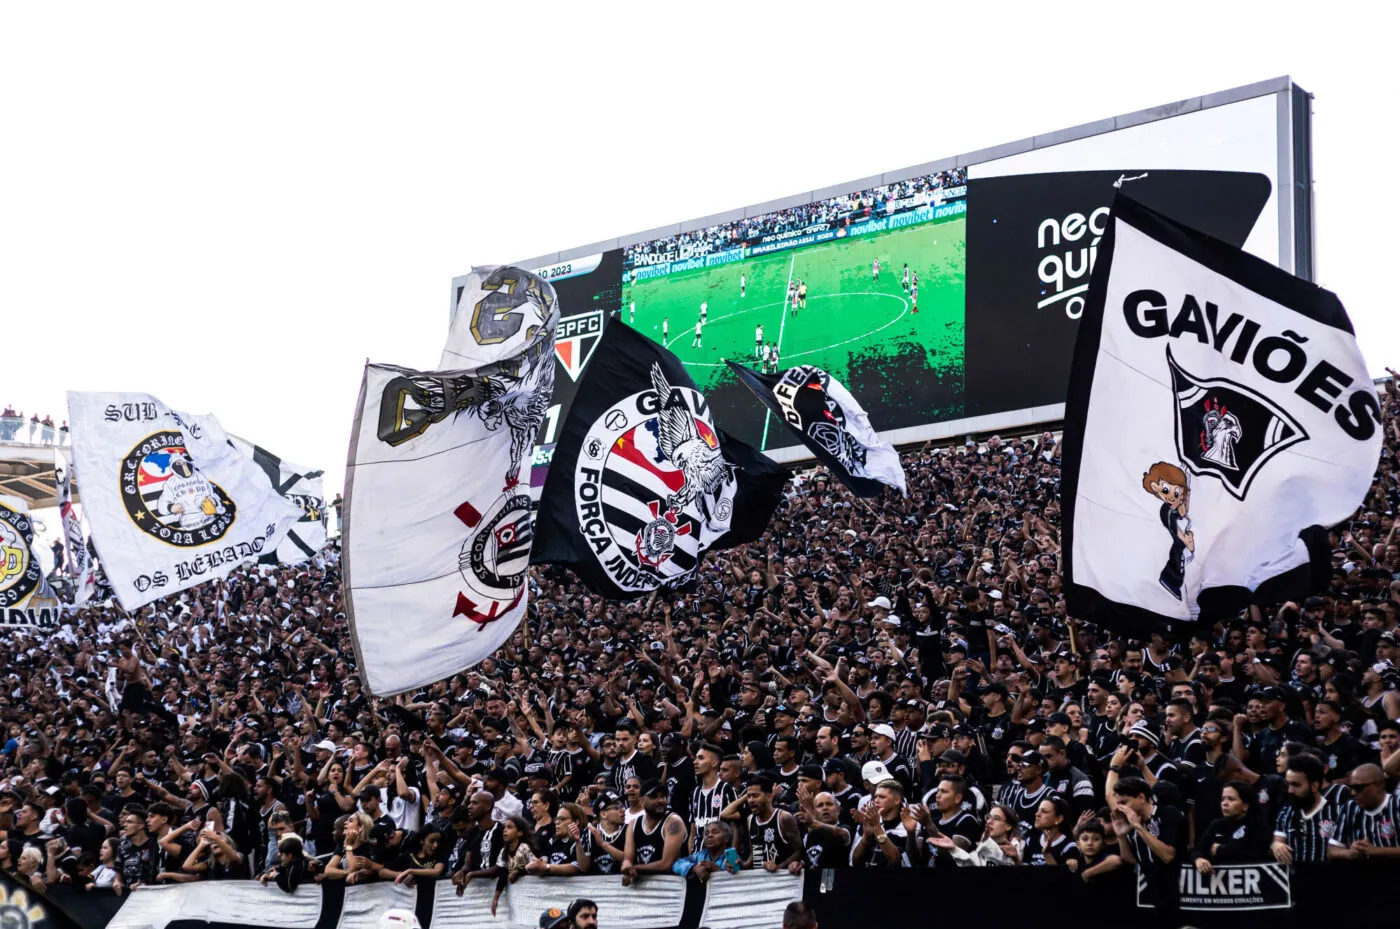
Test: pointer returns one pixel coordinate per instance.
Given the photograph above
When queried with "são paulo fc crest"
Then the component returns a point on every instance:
(575, 339)
(653, 489)
(168, 498)
(494, 557)
(20, 572)
(1227, 431)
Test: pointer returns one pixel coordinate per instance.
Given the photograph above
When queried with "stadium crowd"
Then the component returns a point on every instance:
(845, 209)
(886, 684)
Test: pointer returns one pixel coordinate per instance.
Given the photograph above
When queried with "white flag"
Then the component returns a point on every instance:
(438, 525)
(26, 602)
(79, 563)
(302, 487)
(171, 502)
(1220, 418)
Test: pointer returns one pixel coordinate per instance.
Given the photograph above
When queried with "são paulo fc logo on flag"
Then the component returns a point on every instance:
(652, 486)
(1226, 430)
(575, 339)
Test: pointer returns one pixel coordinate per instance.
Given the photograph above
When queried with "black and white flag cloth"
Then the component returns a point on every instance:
(171, 502)
(823, 414)
(27, 604)
(1220, 417)
(438, 524)
(79, 562)
(642, 482)
(301, 487)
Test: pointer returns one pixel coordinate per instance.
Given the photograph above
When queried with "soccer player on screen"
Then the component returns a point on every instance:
(758, 342)
(802, 294)
(906, 277)
(742, 281)
(704, 309)
(914, 297)
(875, 269)
(665, 329)
(632, 313)
(699, 326)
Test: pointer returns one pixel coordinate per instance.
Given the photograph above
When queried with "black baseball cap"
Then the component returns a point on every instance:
(652, 787)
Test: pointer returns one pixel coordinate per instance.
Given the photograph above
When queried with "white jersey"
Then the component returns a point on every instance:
(758, 334)
(697, 329)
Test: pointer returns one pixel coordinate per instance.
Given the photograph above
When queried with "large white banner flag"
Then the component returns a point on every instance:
(1220, 418)
(26, 602)
(438, 525)
(303, 488)
(171, 502)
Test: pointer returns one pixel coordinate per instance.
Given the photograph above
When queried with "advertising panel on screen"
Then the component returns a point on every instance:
(946, 297)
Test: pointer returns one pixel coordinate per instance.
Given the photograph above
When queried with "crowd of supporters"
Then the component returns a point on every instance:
(36, 430)
(886, 684)
(846, 208)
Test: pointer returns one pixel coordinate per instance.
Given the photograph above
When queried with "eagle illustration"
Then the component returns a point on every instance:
(519, 403)
(702, 464)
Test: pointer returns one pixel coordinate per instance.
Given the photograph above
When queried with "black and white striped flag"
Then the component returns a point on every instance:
(302, 487)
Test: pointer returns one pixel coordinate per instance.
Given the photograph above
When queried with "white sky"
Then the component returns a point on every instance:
(232, 207)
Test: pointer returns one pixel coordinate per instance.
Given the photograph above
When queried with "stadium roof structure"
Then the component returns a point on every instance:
(27, 472)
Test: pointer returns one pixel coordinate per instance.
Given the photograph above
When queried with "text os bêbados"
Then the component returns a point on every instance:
(205, 562)
(1281, 358)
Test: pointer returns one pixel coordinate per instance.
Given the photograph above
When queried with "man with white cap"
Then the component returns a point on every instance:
(882, 739)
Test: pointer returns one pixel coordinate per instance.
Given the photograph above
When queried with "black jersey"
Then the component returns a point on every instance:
(1309, 833)
(1062, 849)
(603, 862)
(648, 845)
(706, 805)
(1025, 802)
(639, 766)
(1380, 827)
(828, 847)
(767, 840)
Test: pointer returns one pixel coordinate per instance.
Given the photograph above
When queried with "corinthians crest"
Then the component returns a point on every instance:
(653, 489)
(1226, 430)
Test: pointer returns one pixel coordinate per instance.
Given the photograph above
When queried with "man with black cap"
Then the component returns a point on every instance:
(1279, 729)
(848, 798)
(655, 839)
(1066, 781)
(1023, 795)
(606, 839)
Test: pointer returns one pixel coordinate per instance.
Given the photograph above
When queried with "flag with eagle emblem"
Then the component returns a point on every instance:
(438, 523)
(1220, 419)
(823, 414)
(643, 482)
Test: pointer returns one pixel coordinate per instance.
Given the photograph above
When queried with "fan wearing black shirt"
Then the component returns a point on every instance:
(630, 762)
(1238, 835)
(1049, 844)
(953, 821)
(1149, 835)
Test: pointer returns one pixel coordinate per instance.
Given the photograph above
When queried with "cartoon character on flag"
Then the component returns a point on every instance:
(1167, 482)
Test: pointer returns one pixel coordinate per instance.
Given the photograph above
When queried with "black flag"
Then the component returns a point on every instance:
(821, 412)
(642, 483)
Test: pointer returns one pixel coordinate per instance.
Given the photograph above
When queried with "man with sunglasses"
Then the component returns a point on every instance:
(1370, 821)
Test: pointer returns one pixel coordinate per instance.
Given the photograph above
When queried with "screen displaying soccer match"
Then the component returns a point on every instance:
(869, 286)
(945, 301)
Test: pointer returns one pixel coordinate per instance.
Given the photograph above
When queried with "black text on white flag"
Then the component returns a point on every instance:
(1220, 416)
